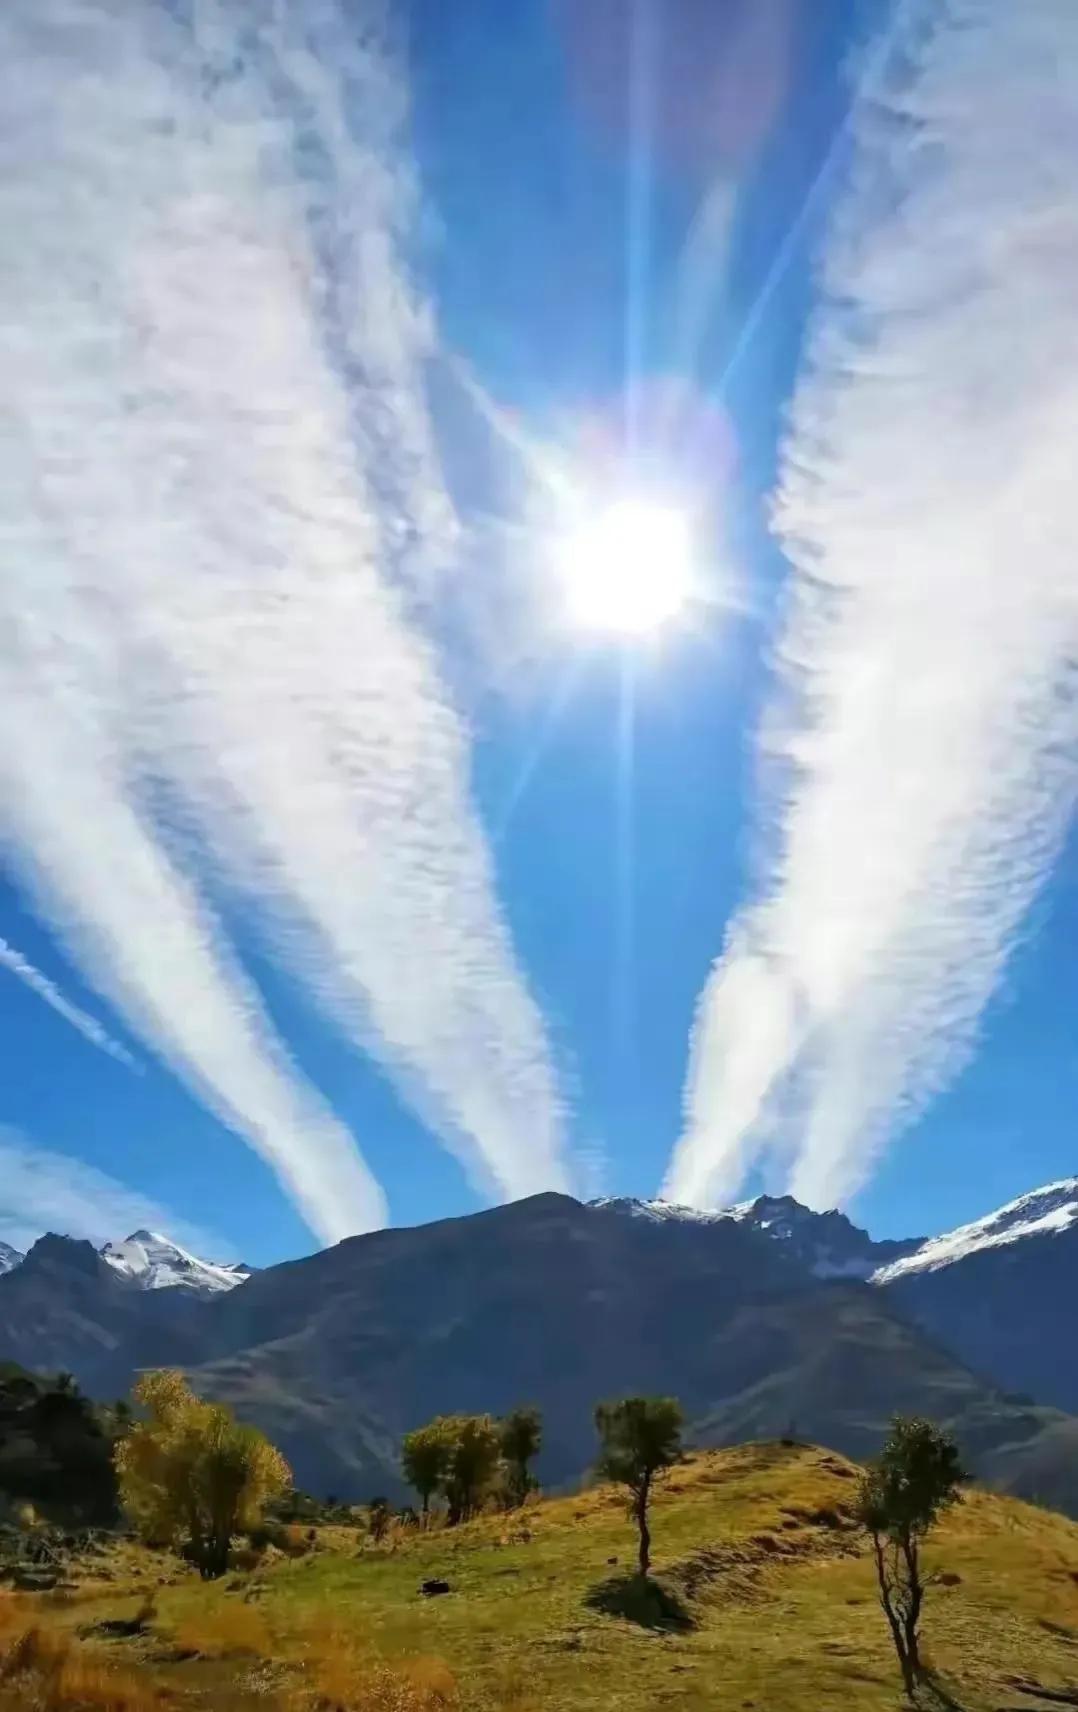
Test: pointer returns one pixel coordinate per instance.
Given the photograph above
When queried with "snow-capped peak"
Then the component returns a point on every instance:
(9, 1258)
(152, 1262)
(659, 1212)
(1042, 1212)
(826, 1244)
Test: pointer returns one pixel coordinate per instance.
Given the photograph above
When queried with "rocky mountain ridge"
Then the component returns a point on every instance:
(762, 1319)
(146, 1260)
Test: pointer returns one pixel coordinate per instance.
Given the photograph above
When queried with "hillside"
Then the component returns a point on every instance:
(767, 1601)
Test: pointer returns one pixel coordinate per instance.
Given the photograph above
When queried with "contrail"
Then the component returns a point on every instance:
(923, 744)
(44, 1191)
(232, 481)
(87, 1026)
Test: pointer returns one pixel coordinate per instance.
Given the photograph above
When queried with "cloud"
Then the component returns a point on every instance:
(922, 746)
(227, 511)
(42, 1191)
(87, 1026)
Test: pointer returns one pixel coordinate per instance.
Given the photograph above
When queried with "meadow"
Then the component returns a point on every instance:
(763, 1598)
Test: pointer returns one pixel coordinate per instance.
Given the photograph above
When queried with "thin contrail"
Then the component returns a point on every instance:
(86, 1025)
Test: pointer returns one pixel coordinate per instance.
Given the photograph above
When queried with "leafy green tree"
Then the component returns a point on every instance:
(520, 1437)
(473, 1463)
(189, 1472)
(425, 1458)
(917, 1476)
(640, 1438)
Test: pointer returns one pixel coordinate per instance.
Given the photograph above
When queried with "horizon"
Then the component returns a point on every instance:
(538, 645)
(925, 1238)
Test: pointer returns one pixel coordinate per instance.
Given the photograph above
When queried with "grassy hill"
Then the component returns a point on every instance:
(765, 1600)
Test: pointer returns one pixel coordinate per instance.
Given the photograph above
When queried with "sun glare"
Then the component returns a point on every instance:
(629, 567)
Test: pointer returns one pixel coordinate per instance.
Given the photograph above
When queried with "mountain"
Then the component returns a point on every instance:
(153, 1262)
(9, 1257)
(550, 1301)
(148, 1261)
(759, 1319)
(827, 1244)
(997, 1293)
(1001, 1293)
(64, 1308)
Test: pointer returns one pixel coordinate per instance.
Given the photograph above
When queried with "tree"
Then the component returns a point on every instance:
(425, 1458)
(520, 1436)
(640, 1439)
(473, 1463)
(917, 1476)
(189, 1472)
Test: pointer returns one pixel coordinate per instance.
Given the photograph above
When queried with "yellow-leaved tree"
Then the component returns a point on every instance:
(190, 1474)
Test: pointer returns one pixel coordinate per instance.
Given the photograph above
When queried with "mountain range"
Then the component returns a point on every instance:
(151, 1261)
(766, 1319)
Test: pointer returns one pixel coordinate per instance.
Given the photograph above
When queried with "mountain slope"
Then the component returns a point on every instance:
(66, 1309)
(9, 1258)
(1001, 1293)
(764, 1597)
(997, 1292)
(560, 1304)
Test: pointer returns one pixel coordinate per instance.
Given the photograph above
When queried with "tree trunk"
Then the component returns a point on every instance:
(215, 1557)
(910, 1667)
(642, 1524)
(912, 1614)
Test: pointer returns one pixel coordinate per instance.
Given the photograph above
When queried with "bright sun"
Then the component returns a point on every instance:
(629, 567)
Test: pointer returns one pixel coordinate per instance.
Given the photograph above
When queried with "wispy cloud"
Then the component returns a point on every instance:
(224, 500)
(89, 1027)
(924, 754)
(42, 1191)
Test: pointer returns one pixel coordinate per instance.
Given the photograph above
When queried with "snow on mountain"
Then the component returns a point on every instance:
(827, 1244)
(9, 1258)
(152, 1262)
(1043, 1212)
(659, 1212)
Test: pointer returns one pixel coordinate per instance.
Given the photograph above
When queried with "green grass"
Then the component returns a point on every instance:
(765, 1600)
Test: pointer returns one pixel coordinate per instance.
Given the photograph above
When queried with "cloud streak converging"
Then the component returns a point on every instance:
(89, 1027)
(42, 1191)
(224, 501)
(922, 748)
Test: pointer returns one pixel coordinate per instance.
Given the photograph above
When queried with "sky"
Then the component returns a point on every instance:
(538, 619)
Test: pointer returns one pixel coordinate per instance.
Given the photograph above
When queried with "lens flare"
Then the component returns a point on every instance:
(628, 568)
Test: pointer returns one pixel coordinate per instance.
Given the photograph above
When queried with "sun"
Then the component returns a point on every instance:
(628, 567)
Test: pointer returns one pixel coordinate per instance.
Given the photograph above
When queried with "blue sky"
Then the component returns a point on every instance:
(345, 878)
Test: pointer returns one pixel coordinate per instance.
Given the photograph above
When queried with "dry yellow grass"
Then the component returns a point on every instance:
(225, 1629)
(44, 1670)
(767, 1600)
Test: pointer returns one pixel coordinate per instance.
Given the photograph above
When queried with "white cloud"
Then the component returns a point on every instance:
(88, 1026)
(924, 754)
(215, 537)
(42, 1191)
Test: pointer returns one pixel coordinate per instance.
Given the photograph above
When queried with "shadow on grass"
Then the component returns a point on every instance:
(639, 1599)
(934, 1695)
